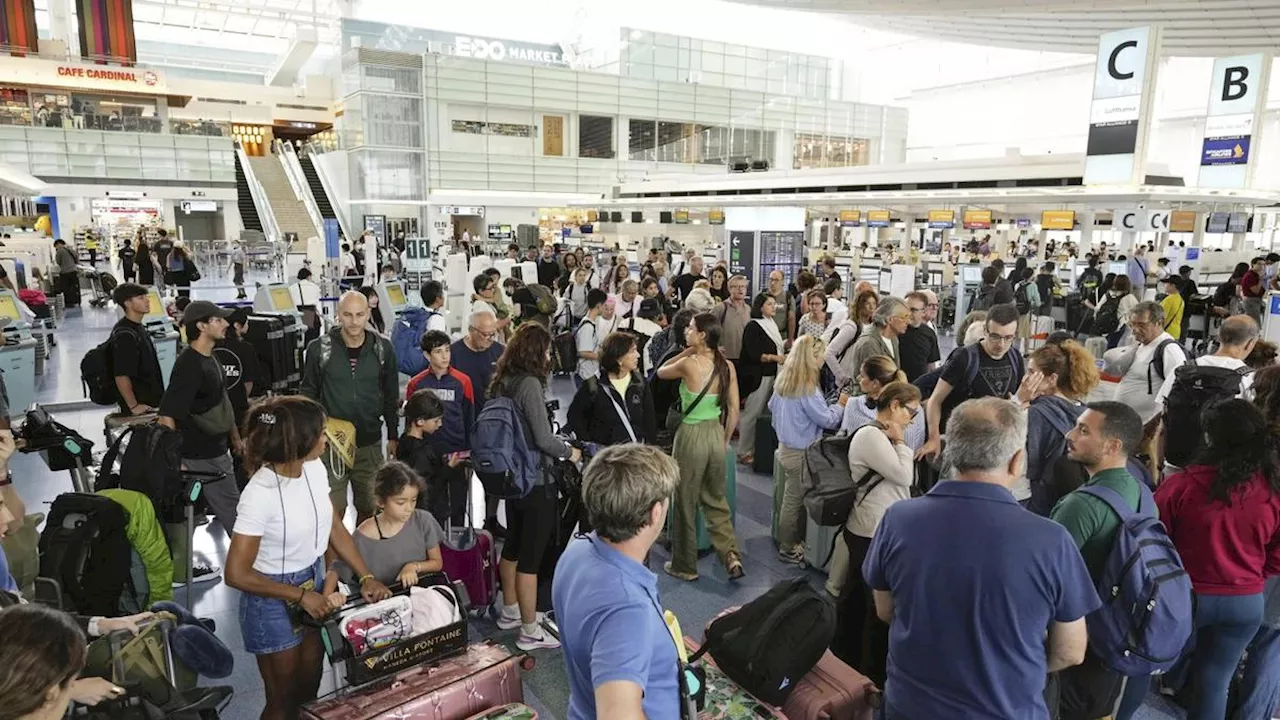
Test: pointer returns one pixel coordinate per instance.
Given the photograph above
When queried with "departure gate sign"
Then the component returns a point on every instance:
(1123, 85)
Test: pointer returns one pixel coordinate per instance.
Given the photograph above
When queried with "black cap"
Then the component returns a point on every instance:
(200, 310)
(650, 309)
(125, 292)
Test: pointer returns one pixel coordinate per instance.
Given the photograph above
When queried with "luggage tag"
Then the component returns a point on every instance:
(693, 679)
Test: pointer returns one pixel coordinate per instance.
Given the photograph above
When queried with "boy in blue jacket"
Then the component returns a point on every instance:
(451, 442)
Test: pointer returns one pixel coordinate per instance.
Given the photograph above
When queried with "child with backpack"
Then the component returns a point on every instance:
(450, 436)
(1026, 296)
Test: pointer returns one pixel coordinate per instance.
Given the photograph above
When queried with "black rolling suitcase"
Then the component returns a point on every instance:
(277, 337)
(766, 443)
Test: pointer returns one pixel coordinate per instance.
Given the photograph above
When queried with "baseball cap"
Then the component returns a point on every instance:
(200, 310)
(650, 309)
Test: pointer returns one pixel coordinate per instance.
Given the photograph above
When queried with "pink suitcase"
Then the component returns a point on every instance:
(482, 677)
(514, 711)
(472, 557)
(832, 691)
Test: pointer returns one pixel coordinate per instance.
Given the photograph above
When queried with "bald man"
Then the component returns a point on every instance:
(351, 371)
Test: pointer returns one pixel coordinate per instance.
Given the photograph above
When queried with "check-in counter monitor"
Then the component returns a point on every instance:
(276, 297)
(392, 300)
(17, 356)
(1117, 267)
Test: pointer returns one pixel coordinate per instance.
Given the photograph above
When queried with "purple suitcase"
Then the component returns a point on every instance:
(482, 677)
(472, 557)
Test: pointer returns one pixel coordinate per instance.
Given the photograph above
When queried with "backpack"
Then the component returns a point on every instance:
(97, 372)
(985, 299)
(326, 352)
(544, 299)
(768, 645)
(1107, 318)
(151, 464)
(1157, 363)
(84, 549)
(830, 493)
(973, 360)
(406, 339)
(1194, 387)
(1146, 615)
(505, 464)
(1021, 299)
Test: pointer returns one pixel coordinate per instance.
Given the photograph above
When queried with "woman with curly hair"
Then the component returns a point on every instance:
(1223, 515)
(521, 375)
(1059, 378)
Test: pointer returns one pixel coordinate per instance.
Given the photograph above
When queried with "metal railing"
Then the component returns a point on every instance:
(298, 181)
(270, 227)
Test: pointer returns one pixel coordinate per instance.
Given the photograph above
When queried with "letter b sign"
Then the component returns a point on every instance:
(1233, 87)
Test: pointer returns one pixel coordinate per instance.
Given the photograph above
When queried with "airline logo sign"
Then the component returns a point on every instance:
(942, 219)
(1058, 219)
(715, 217)
(850, 218)
(680, 217)
(1122, 87)
(1235, 95)
(877, 218)
(1182, 221)
(977, 219)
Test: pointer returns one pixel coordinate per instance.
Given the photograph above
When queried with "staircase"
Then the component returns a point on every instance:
(291, 214)
(317, 188)
(244, 200)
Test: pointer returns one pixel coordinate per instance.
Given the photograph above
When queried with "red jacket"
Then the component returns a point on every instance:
(1226, 549)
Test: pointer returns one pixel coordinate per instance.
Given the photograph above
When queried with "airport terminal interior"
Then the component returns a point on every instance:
(278, 158)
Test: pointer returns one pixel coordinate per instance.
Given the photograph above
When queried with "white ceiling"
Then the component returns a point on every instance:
(1204, 28)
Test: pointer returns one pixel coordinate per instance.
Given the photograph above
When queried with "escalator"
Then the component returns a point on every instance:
(244, 200)
(317, 187)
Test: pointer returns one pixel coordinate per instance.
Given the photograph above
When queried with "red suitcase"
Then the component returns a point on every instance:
(482, 677)
(832, 691)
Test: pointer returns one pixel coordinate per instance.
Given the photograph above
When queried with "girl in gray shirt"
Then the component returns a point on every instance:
(400, 542)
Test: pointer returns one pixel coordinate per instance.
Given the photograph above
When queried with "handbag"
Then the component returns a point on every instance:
(675, 417)
(217, 420)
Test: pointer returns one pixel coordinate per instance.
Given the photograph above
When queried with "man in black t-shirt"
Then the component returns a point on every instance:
(684, 284)
(197, 405)
(918, 346)
(239, 361)
(160, 250)
(991, 368)
(134, 363)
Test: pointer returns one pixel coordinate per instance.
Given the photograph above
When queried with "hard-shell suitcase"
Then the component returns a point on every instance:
(471, 557)
(277, 337)
(766, 443)
(725, 699)
(481, 677)
(511, 711)
(832, 691)
(1096, 346)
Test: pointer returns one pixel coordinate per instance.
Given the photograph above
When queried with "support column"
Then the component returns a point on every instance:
(1086, 220)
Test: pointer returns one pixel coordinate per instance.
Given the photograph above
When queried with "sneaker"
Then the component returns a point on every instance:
(687, 577)
(495, 529)
(794, 556)
(733, 563)
(506, 622)
(202, 572)
(542, 641)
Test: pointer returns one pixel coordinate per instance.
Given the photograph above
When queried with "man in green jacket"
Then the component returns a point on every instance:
(352, 372)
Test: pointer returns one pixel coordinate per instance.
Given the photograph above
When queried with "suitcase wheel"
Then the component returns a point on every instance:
(527, 663)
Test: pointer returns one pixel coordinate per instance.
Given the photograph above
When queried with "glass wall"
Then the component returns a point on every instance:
(57, 153)
(826, 151)
(595, 137)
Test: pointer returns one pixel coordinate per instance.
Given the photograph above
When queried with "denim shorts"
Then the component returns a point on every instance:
(266, 624)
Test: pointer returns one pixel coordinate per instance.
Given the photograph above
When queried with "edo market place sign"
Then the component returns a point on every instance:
(501, 50)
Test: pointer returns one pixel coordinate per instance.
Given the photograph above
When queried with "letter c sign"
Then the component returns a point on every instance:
(1112, 70)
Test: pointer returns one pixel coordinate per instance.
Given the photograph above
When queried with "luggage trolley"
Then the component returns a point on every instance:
(59, 446)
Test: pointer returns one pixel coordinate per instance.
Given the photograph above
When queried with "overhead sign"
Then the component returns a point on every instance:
(477, 210)
(680, 217)
(942, 219)
(1123, 85)
(742, 250)
(378, 224)
(1217, 222)
(190, 206)
(1233, 120)
(1057, 219)
(1140, 220)
(51, 73)
(1182, 221)
(715, 217)
(503, 50)
(1024, 223)
(977, 219)
(850, 218)
(877, 218)
(407, 39)
(1238, 222)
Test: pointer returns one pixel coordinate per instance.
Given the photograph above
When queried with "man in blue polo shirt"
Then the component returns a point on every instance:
(969, 582)
(620, 656)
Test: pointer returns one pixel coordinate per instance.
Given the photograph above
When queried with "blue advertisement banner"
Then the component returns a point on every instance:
(1024, 223)
(1231, 150)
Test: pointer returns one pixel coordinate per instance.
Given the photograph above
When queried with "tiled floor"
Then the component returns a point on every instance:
(545, 687)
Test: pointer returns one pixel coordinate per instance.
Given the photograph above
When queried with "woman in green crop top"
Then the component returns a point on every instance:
(700, 447)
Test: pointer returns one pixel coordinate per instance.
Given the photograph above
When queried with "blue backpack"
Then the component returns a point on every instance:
(505, 464)
(1146, 616)
(406, 339)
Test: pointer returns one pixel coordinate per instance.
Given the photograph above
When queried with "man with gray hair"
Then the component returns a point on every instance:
(620, 657)
(966, 572)
(628, 302)
(1155, 358)
(890, 321)
(475, 355)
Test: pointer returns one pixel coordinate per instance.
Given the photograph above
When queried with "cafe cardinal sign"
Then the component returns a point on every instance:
(35, 72)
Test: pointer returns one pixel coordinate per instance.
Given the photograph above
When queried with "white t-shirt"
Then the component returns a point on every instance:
(587, 336)
(436, 321)
(305, 292)
(1218, 361)
(293, 517)
(837, 310)
(1132, 388)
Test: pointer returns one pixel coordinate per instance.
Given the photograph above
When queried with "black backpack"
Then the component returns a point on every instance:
(84, 549)
(1021, 299)
(97, 372)
(1194, 388)
(768, 645)
(1107, 319)
(985, 299)
(151, 464)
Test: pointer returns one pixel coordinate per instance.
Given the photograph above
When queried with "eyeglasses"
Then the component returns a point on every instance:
(914, 411)
(932, 305)
(903, 318)
(916, 310)
(486, 335)
(1001, 338)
